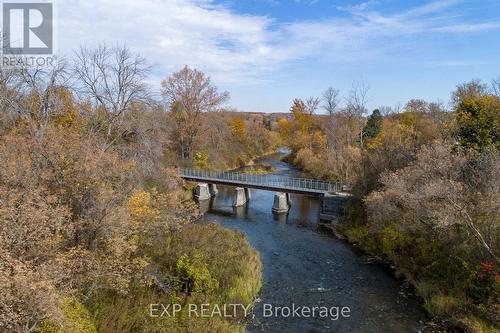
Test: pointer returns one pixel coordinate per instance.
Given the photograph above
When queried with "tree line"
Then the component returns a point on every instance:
(426, 183)
(95, 223)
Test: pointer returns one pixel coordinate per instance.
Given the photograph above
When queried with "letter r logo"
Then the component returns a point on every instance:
(27, 27)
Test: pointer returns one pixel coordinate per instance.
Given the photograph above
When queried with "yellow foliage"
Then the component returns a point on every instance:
(140, 206)
(201, 160)
(238, 128)
(65, 108)
(284, 128)
(302, 119)
(393, 134)
(318, 141)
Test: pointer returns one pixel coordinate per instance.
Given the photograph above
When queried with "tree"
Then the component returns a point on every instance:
(190, 92)
(113, 78)
(477, 111)
(357, 100)
(40, 86)
(440, 194)
(416, 105)
(267, 123)
(312, 104)
(469, 90)
(10, 96)
(298, 106)
(238, 129)
(284, 130)
(495, 86)
(179, 132)
(330, 101)
(373, 125)
(478, 121)
(387, 110)
(355, 108)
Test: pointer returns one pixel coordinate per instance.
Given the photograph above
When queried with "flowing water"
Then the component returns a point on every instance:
(309, 268)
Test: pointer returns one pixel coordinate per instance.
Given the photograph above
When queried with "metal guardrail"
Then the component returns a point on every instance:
(274, 181)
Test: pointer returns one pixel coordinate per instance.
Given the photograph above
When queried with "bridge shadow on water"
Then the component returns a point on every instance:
(304, 210)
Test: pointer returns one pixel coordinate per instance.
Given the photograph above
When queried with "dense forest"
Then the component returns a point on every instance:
(95, 223)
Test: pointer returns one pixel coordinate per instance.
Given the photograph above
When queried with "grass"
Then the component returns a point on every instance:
(224, 255)
(259, 169)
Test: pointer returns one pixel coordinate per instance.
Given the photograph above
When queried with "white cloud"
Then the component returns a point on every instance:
(358, 7)
(459, 63)
(172, 33)
(235, 47)
(473, 27)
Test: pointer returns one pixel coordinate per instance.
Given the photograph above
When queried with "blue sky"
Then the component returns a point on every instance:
(267, 52)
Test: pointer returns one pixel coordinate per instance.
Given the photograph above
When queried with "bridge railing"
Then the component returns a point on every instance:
(264, 180)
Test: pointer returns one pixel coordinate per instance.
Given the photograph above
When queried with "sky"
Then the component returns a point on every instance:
(265, 53)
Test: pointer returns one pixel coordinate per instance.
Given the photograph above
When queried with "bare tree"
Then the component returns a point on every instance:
(355, 108)
(330, 100)
(112, 78)
(416, 105)
(386, 110)
(312, 104)
(442, 189)
(398, 107)
(41, 82)
(188, 94)
(357, 100)
(495, 86)
(330, 104)
(10, 90)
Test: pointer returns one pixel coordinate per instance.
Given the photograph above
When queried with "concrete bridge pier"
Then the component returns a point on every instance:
(240, 198)
(202, 192)
(247, 194)
(204, 205)
(281, 203)
(213, 189)
(205, 191)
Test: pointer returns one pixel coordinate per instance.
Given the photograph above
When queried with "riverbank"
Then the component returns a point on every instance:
(255, 167)
(458, 287)
(408, 259)
(258, 169)
(308, 268)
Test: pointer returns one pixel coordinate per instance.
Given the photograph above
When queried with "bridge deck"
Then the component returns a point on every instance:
(263, 182)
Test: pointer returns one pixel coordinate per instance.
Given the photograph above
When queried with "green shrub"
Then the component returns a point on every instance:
(194, 274)
(76, 319)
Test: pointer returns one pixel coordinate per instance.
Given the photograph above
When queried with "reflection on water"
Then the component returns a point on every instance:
(304, 210)
(307, 268)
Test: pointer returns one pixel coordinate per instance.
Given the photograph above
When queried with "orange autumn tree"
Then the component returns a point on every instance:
(238, 129)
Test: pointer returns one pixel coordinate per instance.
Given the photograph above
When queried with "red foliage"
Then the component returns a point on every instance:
(487, 266)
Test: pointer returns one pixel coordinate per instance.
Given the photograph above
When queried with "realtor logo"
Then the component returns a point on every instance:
(27, 28)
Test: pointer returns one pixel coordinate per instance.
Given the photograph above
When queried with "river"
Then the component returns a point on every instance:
(310, 268)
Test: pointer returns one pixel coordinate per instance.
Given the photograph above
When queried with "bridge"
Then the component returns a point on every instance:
(262, 182)
(207, 181)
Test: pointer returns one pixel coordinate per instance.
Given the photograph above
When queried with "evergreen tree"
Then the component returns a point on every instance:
(374, 124)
